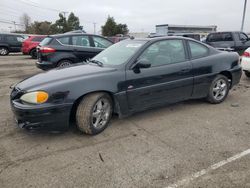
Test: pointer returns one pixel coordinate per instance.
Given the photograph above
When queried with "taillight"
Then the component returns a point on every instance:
(246, 54)
(45, 49)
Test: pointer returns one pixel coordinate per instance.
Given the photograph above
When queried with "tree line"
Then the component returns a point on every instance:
(65, 24)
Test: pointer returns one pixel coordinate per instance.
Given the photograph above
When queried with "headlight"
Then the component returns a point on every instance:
(37, 97)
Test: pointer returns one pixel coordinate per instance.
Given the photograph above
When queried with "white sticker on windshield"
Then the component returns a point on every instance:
(133, 45)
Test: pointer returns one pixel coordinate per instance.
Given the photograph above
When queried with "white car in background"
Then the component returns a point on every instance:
(245, 62)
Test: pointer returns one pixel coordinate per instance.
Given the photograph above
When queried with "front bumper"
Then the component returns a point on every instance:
(44, 65)
(44, 116)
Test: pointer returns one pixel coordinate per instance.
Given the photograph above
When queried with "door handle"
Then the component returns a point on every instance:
(184, 70)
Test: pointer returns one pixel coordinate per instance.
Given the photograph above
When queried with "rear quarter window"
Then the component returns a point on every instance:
(197, 50)
(46, 41)
(64, 40)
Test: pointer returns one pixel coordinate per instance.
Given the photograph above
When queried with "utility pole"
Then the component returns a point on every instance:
(64, 13)
(94, 28)
(244, 14)
(14, 25)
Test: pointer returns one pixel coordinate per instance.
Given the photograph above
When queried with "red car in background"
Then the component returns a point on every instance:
(30, 44)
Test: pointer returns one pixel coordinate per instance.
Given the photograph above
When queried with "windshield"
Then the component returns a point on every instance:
(45, 41)
(119, 53)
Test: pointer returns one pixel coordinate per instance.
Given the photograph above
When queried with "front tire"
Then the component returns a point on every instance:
(247, 74)
(218, 90)
(4, 51)
(94, 113)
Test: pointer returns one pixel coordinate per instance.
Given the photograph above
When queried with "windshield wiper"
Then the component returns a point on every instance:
(99, 63)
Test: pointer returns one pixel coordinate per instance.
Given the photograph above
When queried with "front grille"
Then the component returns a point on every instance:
(16, 93)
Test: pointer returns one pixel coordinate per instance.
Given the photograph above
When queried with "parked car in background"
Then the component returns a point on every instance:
(229, 41)
(29, 45)
(76, 31)
(65, 49)
(10, 43)
(118, 38)
(245, 61)
(129, 76)
(188, 35)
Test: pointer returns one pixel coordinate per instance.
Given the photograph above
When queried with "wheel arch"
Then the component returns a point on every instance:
(31, 50)
(63, 59)
(79, 99)
(228, 74)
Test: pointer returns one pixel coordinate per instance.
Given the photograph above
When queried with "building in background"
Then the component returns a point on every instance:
(139, 34)
(168, 29)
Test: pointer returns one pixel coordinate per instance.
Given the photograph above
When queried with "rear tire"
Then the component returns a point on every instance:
(4, 51)
(218, 90)
(94, 113)
(247, 74)
(33, 54)
(64, 63)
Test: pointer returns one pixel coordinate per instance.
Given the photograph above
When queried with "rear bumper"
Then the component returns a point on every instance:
(50, 117)
(236, 75)
(44, 65)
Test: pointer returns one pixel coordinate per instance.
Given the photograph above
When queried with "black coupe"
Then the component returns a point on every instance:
(130, 76)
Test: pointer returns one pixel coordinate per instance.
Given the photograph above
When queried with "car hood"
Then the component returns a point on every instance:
(61, 74)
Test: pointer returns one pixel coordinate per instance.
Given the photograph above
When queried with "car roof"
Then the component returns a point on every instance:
(164, 37)
(73, 34)
(13, 34)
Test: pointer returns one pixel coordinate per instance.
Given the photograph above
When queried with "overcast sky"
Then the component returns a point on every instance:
(139, 15)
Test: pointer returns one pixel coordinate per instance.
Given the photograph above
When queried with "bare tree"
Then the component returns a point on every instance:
(26, 21)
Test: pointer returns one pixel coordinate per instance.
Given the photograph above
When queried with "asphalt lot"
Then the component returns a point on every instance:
(189, 144)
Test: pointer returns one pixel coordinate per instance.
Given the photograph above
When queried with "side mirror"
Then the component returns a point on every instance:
(244, 40)
(142, 64)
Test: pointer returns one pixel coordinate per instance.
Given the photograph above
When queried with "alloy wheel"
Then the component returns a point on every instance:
(3, 51)
(101, 113)
(220, 89)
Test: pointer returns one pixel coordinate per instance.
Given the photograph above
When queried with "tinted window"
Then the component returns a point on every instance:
(216, 37)
(37, 39)
(81, 40)
(46, 41)
(243, 37)
(11, 38)
(197, 50)
(164, 52)
(101, 42)
(64, 40)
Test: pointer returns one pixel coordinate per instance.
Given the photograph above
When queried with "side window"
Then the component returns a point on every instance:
(101, 42)
(64, 40)
(11, 38)
(243, 37)
(164, 52)
(20, 39)
(80, 41)
(197, 50)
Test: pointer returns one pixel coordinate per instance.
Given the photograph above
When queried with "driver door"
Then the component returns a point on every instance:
(169, 78)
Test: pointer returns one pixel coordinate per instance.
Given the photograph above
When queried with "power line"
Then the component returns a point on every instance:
(11, 22)
(38, 6)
